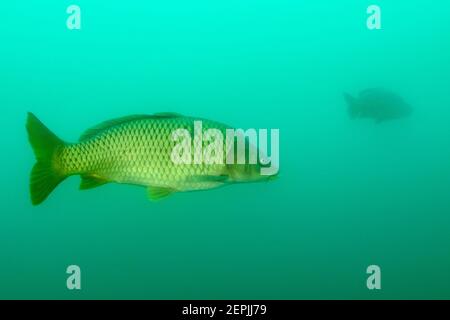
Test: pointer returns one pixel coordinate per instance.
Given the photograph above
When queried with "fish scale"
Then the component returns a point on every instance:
(137, 152)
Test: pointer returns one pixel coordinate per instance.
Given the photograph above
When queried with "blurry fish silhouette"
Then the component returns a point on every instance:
(378, 104)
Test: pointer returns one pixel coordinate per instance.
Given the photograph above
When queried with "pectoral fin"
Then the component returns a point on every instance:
(90, 182)
(158, 193)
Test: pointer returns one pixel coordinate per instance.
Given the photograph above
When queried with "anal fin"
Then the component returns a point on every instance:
(90, 182)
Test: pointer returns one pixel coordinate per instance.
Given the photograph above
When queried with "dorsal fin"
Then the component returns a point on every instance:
(166, 115)
(91, 132)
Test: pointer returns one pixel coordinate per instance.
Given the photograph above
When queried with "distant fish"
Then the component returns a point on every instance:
(377, 104)
(134, 150)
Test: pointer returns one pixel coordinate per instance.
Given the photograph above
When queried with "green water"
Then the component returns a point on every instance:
(351, 193)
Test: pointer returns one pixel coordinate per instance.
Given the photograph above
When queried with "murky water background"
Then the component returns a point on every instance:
(351, 192)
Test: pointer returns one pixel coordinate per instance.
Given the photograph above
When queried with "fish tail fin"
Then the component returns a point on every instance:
(44, 176)
(352, 105)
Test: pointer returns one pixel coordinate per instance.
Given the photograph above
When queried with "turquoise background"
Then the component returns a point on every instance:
(351, 193)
